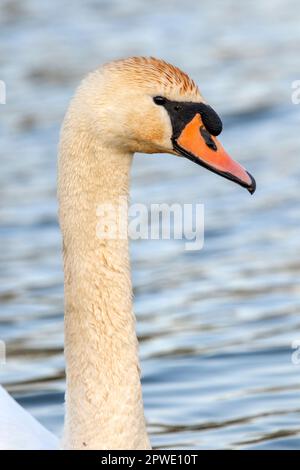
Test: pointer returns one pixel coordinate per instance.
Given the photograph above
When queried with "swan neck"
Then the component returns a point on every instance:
(104, 407)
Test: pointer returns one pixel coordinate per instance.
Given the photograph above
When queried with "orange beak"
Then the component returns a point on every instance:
(197, 144)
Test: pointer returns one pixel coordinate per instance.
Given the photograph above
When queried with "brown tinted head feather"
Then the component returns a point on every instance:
(149, 71)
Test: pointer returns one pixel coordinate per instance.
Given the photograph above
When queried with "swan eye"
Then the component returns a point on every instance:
(160, 100)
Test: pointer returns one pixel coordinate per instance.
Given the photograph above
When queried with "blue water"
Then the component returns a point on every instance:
(216, 326)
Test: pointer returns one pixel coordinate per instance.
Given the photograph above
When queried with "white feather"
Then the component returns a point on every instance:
(19, 430)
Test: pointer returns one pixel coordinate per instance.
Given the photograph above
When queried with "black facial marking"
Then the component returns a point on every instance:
(182, 112)
(207, 138)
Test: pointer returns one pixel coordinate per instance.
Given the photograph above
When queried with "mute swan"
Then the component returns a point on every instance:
(133, 105)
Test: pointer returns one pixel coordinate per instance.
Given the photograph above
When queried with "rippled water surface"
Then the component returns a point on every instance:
(216, 325)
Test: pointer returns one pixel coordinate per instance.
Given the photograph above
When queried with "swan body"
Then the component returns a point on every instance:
(19, 430)
(132, 105)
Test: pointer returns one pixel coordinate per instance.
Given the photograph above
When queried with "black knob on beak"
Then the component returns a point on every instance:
(210, 119)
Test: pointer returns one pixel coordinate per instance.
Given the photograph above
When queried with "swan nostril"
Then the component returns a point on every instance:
(208, 139)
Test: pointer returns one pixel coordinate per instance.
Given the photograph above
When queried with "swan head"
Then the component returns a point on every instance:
(146, 105)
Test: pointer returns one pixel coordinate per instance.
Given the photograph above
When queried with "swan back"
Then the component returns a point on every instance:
(19, 430)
